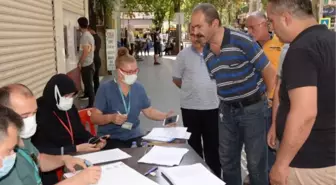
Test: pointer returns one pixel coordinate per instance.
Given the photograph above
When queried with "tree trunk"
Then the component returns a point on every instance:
(177, 9)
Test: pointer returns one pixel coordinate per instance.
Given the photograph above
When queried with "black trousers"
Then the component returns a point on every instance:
(97, 63)
(203, 125)
(87, 77)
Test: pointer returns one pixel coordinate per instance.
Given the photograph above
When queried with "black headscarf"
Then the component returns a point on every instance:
(65, 86)
(50, 132)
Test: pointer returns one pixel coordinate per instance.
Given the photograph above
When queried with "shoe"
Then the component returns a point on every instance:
(156, 63)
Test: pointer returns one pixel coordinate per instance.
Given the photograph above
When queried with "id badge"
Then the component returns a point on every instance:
(127, 125)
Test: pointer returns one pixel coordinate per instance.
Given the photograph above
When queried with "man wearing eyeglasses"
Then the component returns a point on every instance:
(258, 28)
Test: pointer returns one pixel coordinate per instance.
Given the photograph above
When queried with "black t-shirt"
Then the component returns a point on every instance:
(97, 44)
(310, 61)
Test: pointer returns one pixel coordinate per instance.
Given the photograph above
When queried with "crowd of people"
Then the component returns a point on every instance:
(271, 91)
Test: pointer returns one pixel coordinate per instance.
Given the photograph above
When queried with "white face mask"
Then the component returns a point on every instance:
(64, 103)
(129, 79)
(29, 127)
(7, 164)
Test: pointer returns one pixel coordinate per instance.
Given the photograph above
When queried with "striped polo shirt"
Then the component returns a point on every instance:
(238, 68)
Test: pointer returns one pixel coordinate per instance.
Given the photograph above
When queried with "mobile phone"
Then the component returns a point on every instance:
(171, 119)
(96, 140)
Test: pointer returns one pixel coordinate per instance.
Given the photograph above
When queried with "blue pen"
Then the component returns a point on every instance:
(87, 163)
(151, 170)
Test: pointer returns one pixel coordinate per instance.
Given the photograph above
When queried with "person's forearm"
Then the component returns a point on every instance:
(156, 115)
(276, 101)
(102, 119)
(83, 57)
(297, 130)
(50, 162)
(269, 77)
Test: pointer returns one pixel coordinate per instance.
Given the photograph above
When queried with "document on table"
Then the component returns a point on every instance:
(166, 156)
(105, 156)
(195, 174)
(120, 174)
(167, 134)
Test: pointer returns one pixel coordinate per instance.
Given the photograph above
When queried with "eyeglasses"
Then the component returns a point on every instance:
(130, 72)
(253, 27)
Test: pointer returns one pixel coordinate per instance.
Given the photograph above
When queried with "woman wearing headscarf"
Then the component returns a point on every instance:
(59, 128)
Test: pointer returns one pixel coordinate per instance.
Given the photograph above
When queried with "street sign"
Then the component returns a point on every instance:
(329, 11)
(179, 18)
(326, 21)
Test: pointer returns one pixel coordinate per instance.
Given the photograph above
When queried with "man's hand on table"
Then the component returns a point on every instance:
(70, 162)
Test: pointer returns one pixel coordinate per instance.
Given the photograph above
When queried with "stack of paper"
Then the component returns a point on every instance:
(105, 156)
(166, 156)
(195, 174)
(120, 174)
(167, 134)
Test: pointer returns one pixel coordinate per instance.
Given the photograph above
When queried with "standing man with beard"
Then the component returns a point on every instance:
(243, 74)
(199, 103)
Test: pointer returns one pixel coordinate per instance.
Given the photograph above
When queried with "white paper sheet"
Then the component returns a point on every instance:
(105, 156)
(167, 134)
(120, 174)
(195, 174)
(166, 156)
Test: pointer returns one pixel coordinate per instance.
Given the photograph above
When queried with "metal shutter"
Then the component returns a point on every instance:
(76, 6)
(27, 46)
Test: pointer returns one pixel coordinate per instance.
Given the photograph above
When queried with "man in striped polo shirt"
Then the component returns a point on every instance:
(243, 74)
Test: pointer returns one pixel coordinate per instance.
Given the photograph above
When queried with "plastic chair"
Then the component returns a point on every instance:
(85, 116)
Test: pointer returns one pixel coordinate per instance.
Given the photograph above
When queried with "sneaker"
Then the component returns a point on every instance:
(156, 63)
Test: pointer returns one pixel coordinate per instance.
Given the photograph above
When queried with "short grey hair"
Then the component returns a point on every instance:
(9, 118)
(258, 14)
(299, 8)
(209, 11)
(6, 91)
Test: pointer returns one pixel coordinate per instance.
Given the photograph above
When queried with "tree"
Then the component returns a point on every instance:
(101, 9)
(159, 8)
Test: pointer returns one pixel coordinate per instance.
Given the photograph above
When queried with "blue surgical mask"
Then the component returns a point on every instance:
(7, 164)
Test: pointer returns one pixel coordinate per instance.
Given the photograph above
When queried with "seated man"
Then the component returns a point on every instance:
(29, 161)
(119, 103)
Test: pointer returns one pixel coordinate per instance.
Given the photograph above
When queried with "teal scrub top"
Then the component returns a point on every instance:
(25, 170)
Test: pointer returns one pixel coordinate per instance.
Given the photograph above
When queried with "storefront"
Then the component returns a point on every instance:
(32, 46)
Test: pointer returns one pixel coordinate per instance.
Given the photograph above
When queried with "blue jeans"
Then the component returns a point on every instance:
(238, 126)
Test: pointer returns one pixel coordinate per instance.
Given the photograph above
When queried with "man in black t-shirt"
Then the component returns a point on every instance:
(306, 115)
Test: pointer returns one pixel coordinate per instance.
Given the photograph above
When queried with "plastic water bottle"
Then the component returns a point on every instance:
(134, 144)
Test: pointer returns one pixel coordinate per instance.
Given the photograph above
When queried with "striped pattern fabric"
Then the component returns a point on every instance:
(237, 69)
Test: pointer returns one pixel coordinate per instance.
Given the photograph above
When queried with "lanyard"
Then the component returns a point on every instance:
(69, 129)
(30, 161)
(127, 108)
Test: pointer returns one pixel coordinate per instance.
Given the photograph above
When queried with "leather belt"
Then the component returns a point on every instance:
(257, 97)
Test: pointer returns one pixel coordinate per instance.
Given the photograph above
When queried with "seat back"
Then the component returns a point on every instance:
(85, 116)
